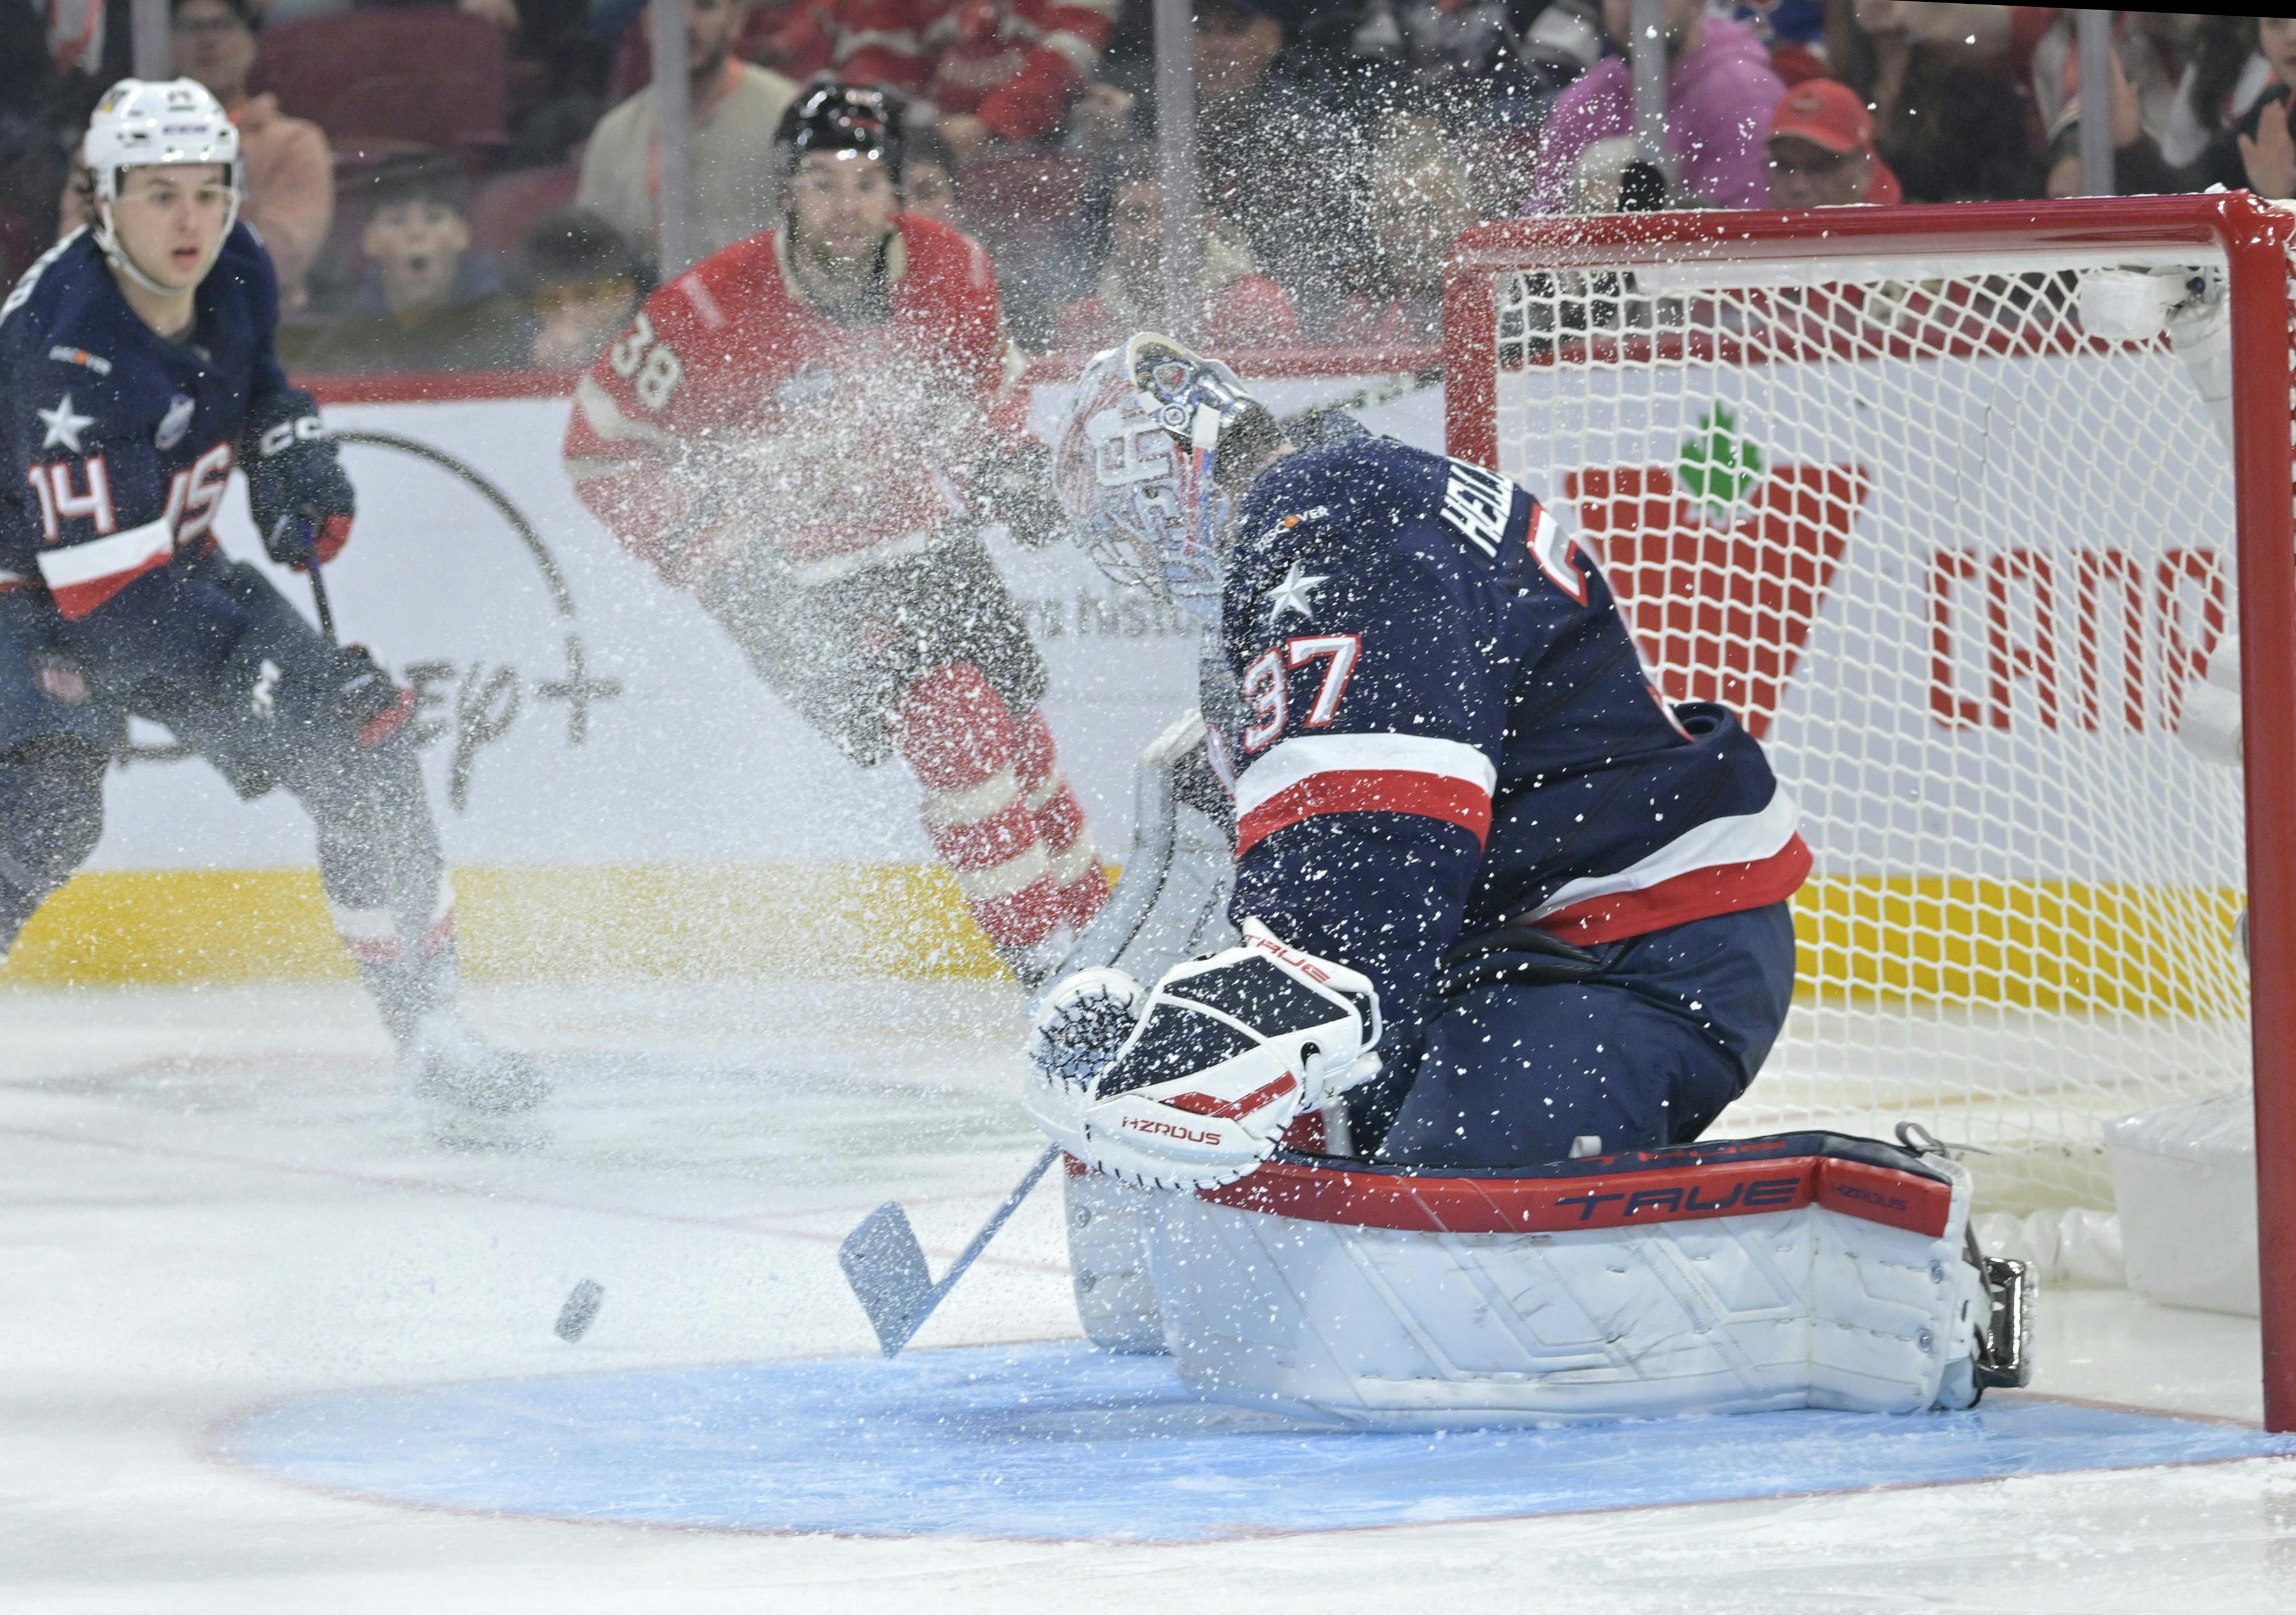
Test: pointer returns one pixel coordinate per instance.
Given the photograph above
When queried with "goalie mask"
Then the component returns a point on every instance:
(1137, 467)
(157, 123)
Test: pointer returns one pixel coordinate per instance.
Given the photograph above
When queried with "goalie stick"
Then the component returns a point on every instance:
(1170, 903)
(1386, 390)
(886, 1266)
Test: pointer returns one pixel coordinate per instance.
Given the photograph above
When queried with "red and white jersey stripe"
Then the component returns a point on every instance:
(1311, 775)
(1741, 861)
(83, 576)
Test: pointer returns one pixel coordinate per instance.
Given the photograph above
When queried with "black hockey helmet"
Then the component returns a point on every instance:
(830, 116)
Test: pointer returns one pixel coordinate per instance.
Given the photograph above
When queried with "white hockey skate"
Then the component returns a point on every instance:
(450, 1064)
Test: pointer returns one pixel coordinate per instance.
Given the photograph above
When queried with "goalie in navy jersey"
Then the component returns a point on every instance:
(1498, 896)
(138, 372)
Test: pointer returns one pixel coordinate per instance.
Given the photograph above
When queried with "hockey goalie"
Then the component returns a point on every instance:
(1422, 1148)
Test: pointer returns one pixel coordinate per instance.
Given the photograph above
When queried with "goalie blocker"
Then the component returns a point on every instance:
(1193, 1085)
(1803, 1270)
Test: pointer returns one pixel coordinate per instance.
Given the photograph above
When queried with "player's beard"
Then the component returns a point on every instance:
(849, 289)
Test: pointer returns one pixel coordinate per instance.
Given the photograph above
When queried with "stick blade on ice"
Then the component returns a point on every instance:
(886, 1266)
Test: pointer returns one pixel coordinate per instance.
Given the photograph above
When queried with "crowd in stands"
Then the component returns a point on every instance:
(478, 184)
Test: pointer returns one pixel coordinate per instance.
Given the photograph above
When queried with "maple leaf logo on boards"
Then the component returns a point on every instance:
(1722, 610)
(1720, 467)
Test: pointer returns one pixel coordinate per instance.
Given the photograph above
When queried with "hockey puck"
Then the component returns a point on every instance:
(581, 1311)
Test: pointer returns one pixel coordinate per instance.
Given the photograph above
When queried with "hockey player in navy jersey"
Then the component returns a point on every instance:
(1494, 888)
(138, 372)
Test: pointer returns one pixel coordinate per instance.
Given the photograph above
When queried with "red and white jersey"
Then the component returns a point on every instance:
(1015, 64)
(732, 412)
(873, 42)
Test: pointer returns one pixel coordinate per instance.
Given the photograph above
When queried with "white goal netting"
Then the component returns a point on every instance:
(1956, 562)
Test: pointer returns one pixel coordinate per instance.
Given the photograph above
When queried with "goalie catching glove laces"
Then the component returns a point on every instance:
(1192, 1086)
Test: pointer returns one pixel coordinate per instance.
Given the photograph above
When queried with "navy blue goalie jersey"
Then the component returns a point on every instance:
(1440, 724)
(120, 442)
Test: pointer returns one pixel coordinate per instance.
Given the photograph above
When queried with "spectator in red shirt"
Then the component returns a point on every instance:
(1007, 69)
(879, 42)
(995, 70)
(1242, 308)
(1822, 151)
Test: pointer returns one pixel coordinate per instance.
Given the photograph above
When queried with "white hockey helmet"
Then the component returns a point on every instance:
(157, 123)
(1135, 466)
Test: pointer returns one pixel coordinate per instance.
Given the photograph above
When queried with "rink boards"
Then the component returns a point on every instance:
(617, 792)
(615, 789)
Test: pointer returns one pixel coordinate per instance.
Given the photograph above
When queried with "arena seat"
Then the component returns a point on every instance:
(1020, 203)
(509, 205)
(426, 74)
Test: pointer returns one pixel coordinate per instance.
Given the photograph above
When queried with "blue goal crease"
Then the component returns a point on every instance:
(1059, 1440)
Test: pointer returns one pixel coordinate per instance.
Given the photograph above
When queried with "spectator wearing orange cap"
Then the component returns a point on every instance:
(1822, 150)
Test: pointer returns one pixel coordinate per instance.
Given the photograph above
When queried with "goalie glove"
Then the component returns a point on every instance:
(1076, 1032)
(1228, 1049)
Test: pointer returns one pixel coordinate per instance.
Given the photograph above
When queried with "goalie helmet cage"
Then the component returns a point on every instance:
(1863, 477)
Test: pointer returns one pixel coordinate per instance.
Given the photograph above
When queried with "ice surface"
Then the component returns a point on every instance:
(217, 1203)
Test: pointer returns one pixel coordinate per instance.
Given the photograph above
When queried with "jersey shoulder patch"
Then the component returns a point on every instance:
(1349, 486)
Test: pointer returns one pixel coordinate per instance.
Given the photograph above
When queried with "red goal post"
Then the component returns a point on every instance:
(1863, 475)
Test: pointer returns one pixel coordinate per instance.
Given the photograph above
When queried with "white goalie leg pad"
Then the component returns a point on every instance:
(1108, 1259)
(1229, 1049)
(1804, 1306)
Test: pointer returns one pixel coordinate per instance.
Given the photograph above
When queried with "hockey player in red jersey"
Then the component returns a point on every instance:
(808, 430)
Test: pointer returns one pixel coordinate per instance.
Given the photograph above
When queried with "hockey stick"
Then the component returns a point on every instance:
(886, 1266)
(1386, 390)
(319, 598)
(311, 566)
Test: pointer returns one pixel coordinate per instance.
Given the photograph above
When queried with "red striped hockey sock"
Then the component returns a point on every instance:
(1076, 869)
(958, 736)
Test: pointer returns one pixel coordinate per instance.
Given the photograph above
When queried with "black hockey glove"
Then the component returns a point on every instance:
(302, 500)
(1016, 488)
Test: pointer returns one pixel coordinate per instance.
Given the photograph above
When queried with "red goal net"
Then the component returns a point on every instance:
(1959, 536)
